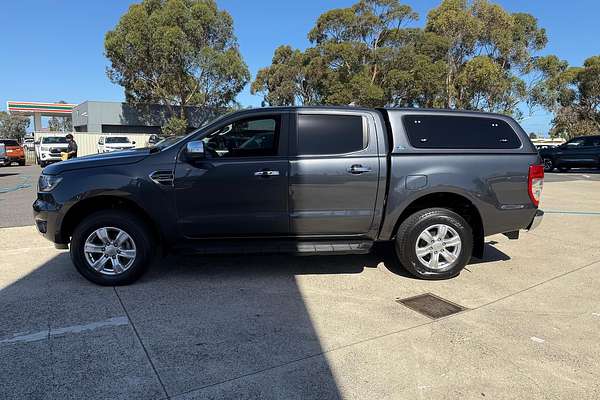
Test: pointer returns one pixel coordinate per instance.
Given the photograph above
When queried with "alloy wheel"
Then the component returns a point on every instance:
(109, 250)
(438, 247)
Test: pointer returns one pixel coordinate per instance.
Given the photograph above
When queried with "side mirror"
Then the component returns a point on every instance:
(195, 150)
(133, 142)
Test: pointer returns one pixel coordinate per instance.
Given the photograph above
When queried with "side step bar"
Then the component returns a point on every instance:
(285, 247)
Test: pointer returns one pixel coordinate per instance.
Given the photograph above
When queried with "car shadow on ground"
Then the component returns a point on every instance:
(197, 327)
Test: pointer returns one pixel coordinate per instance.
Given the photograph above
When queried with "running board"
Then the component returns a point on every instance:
(253, 246)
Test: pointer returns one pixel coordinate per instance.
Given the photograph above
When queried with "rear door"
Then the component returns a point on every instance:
(334, 173)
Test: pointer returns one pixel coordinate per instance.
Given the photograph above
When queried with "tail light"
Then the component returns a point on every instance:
(535, 183)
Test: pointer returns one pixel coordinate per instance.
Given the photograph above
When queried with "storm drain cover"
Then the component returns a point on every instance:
(431, 305)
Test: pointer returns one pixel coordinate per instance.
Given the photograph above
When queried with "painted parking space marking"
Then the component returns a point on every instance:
(46, 334)
(572, 212)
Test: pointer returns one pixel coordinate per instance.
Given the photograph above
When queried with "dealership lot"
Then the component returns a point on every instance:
(284, 327)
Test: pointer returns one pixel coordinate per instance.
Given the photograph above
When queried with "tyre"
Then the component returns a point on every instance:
(111, 248)
(43, 164)
(22, 163)
(548, 165)
(564, 169)
(434, 243)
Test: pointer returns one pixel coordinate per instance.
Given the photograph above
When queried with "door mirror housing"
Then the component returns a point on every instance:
(133, 142)
(195, 150)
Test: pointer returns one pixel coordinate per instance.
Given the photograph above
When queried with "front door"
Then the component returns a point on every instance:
(334, 174)
(240, 188)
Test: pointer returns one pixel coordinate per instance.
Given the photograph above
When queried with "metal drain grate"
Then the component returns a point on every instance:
(431, 305)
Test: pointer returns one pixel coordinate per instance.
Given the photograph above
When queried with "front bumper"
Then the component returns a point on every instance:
(50, 157)
(47, 217)
(537, 220)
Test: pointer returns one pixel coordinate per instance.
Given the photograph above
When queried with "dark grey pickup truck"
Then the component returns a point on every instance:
(302, 180)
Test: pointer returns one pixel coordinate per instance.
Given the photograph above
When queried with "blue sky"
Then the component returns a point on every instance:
(53, 49)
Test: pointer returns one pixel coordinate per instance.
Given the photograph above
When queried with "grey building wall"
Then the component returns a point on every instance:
(115, 117)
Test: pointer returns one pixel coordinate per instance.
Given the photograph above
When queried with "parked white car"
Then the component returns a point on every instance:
(28, 143)
(108, 144)
(49, 149)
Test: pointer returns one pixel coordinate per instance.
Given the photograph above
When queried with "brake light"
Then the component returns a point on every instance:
(535, 183)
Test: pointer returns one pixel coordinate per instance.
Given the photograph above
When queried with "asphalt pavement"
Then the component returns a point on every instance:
(18, 186)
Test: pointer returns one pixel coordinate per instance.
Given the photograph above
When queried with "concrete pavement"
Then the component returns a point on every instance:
(279, 327)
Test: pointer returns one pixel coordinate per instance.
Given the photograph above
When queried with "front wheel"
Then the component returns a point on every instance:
(434, 243)
(111, 248)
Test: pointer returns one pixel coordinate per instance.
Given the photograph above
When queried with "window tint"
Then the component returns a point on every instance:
(117, 139)
(9, 142)
(330, 134)
(575, 143)
(453, 132)
(592, 141)
(54, 140)
(251, 137)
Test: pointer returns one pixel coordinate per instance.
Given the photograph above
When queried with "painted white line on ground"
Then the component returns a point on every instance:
(537, 339)
(42, 335)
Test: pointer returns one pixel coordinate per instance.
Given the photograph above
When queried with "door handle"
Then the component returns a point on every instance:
(358, 169)
(266, 173)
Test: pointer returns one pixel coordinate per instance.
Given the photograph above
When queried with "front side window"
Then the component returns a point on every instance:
(575, 143)
(459, 132)
(250, 137)
(320, 134)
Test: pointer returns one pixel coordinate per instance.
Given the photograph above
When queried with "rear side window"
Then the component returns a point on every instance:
(454, 132)
(330, 134)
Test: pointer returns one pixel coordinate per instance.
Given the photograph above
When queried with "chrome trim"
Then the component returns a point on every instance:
(537, 220)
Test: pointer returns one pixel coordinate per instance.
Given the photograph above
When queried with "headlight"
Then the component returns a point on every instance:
(45, 148)
(48, 182)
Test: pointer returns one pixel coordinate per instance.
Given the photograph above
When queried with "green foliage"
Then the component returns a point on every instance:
(177, 52)
(13, 126)
(60, 124)
(470, 55)
(572, 94)
(175, 126)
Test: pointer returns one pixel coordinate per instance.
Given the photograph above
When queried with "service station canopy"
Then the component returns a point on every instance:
(28, 108)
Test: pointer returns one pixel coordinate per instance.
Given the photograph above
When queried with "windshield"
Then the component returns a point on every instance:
(54, 140)
(168, 142)
(117, 139)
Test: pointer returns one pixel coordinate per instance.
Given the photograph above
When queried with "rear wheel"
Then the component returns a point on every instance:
(434, 243)
(111, 248)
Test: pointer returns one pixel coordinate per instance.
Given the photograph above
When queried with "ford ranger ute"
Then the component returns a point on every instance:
(321, 180)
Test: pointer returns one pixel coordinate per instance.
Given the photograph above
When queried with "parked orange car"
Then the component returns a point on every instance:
(14, 152)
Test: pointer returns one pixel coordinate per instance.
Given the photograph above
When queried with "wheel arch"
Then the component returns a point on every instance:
(94, 204)
(454, 202)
